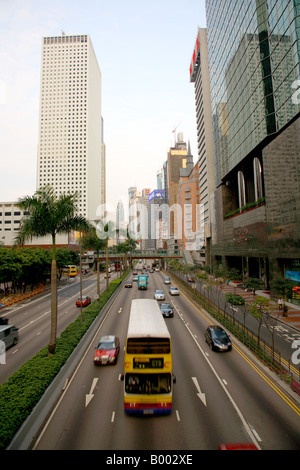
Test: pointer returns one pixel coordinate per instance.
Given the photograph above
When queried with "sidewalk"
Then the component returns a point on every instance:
(11, 299)
(293, 318)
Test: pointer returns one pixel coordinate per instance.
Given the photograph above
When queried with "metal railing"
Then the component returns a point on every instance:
(219, 310)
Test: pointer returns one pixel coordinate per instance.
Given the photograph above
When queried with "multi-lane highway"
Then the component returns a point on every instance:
(218, 397)
(32, 318)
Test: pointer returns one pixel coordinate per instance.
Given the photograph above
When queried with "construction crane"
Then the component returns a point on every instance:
(173, 132)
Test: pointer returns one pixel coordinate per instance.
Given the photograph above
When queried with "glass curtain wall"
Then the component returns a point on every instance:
(254, 64)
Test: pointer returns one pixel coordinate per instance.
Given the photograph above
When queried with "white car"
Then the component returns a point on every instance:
(167, 280)
(174, 291)
(159, 295)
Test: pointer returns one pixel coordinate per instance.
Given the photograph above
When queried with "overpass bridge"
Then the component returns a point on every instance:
(137, 254)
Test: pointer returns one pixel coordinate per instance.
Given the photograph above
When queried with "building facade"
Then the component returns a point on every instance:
(157, 220)
(10, 219)
(254, 65)
(199, 75)
(189, 210)
(71, 151)
(177, 158)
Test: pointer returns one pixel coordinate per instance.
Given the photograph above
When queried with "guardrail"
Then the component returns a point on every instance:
(264, 351)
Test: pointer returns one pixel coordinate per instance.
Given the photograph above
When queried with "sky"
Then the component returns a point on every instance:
(144, 50)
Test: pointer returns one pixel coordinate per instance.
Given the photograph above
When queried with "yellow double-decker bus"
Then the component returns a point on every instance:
(70, 270)
(148, 377)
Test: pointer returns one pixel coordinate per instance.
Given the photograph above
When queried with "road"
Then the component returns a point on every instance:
(284, 335)
(218, 397)
(32, 317)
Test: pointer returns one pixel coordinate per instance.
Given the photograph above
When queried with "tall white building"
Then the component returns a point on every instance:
(71, 151)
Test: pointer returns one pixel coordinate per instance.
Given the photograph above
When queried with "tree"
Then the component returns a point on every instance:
(127, 246)
(283, 287)
(260, 309)
(65, 257)
(107, 231)
(254, 284)
(91, 241)
(50, 215)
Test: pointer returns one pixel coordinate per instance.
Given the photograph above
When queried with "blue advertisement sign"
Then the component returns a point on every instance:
(159, 193)
(294, 275)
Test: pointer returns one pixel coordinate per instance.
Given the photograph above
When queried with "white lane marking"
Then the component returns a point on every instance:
(200, 394)
(245, 424)
(90, 396)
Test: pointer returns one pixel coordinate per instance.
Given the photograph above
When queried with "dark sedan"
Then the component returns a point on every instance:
(167, 310)
(217, 338)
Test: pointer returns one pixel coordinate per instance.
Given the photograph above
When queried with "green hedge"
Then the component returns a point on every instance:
(235, 299)
(23, 390)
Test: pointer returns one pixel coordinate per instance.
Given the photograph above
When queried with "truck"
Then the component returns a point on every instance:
(142, 282)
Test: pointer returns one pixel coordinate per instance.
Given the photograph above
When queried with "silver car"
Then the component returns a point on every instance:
(159, 295)
(174, 291)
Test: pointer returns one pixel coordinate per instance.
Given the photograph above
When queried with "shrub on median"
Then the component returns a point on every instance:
(20, 394)
(235, 299)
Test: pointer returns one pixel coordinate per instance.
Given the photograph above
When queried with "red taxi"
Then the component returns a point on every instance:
(84, 301)
(107, 350)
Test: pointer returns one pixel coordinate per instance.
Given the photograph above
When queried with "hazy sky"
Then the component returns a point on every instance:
(144, 50)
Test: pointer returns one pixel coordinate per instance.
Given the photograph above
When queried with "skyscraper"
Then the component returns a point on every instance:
(254, 59)
(177, 158)
(199, 75)
(71, 151)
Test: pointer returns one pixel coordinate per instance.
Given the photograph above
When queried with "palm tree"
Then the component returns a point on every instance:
(93, 242)
(50, 215)
(127, 247)
(131, 244)
(106, 231)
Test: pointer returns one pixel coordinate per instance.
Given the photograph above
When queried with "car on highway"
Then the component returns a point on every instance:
(105, 275)
(9, 336)
(190, 278)
(128, 284)
(217, 338)
(167, 310)
(107, 350)
(135, 278)
(173, 290)
(237, 446)
(84, 301)
(167, 280)
(159, 295)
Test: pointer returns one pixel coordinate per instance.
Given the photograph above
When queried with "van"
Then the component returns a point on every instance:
(9, 334)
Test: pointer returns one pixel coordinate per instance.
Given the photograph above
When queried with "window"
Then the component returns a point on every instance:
(241, 187)
(257, 179)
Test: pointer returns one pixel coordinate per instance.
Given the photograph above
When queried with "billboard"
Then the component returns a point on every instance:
(159, 193)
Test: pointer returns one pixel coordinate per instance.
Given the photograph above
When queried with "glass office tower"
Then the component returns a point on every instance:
(254, 52)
